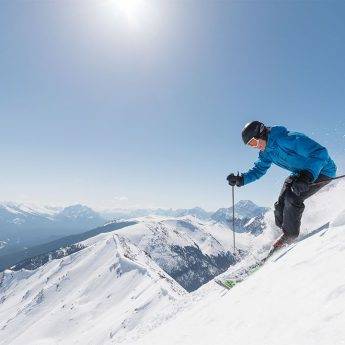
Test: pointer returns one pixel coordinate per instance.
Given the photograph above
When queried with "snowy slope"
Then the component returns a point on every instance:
(112, 292)
(212, 238)
(298, 297)
(192, 251)
(94, 296)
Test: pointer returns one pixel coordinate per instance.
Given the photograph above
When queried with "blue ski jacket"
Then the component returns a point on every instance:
(294, 152)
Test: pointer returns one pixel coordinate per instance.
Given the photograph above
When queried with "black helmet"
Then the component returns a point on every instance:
(254, 129)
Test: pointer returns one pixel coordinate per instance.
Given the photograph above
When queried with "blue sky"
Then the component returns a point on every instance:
(143, 106)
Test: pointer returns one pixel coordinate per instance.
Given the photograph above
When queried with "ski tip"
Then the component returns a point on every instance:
(227, 284)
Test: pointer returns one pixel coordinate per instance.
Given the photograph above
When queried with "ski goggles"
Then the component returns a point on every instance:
(253, 142)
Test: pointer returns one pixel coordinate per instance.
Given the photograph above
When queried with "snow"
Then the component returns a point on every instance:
(250, 221)
(288, 301)
(111, 292)
(33, 209)
(297, 297)
(91, 297)
(339, 220)
(211, 237)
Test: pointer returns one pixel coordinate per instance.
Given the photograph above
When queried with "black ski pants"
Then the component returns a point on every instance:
(289, 208)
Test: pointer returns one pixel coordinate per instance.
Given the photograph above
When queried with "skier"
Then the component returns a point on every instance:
(308, 161)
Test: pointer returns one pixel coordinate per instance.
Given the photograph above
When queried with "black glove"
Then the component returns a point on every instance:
(301, 182)
(235, 180)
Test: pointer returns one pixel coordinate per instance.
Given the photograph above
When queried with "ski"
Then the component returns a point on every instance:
(246, 272)
(230, 283)
(227, 283)
(242, 274)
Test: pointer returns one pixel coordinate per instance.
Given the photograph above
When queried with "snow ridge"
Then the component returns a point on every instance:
(98, 293)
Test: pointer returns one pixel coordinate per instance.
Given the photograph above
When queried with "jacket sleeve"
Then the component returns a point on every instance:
(260, 168)
(316, 155)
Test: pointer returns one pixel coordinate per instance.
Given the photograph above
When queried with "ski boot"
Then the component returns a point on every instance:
(283, 241)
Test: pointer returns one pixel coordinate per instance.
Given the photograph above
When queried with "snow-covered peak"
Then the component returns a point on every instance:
(197, 212)
(26, 225)
(245, 213)
(190, 250)
(78, 211)
(97, 294)
(247, 208)
(29, 208)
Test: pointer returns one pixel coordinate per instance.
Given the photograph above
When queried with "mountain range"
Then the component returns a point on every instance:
(25, 225)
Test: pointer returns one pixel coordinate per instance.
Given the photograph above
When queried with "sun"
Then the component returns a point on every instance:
(135, 12)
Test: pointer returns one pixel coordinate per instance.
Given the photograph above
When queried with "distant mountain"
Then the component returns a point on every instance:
(197, 212)
(24, 225)
(248, 209)
(243, 209)
(248, 217)
(79, 216)
(36, 256)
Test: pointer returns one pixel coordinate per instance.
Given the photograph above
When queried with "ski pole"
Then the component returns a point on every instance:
(328, 180)
(233, 216)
